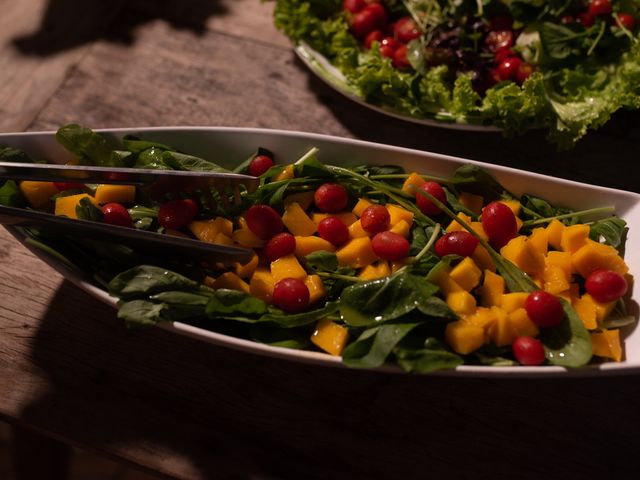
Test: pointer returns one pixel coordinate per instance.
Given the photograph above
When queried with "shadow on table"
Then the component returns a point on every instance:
(607, 157)
(69, 23)
(195, 410)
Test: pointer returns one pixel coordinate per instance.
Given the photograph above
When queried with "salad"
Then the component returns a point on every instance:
(561, 65)
(370, 263)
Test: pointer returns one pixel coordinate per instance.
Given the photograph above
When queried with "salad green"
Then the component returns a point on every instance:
(410, 309)
(512, 64)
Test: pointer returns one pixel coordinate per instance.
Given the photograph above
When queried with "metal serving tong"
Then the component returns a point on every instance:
(155, 180)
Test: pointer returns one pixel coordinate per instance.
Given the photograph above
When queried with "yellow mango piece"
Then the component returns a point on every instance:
(514, 206)
(304, 199)
(442, 279)
(412, 183)
(454, 226)
(602, 309)
(593, 256)
(398, 264)
(464, 338)
(539, 240)
(115, 193)
(522, 324)
(492, 290)
(574, 237)
(607, 344)
(356, 230)
(560, 259)
(462, 303)
(472, 202)
(224, 225)
(375, 270)
(401, 228)
(466, 274)
(357, 253)
(222, 239)
(310, 244)
(482, 258)
(297, 221)
(330, 337)
(572, 294)
(479, 229)
(361, 206)
(204, 230)
(262, 284)
(246, 238)
(398, 214)
(585, 307)
(287, 267)
(316, 288)
(482, 317)
(231, 281)
(511, 302)
(555, 279)
(66, 206)
(246, 270)
(502, 332)
(38, 194)
(347, 217)
(554, 233)
(523, 255)
(286, 174)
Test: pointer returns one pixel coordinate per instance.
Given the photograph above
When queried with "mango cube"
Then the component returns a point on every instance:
(522, 323)
(286, 174)
(357, 253)
(375, 270)
(492, 290)
(38, 193)
(356, 230)
(454, 226)
(262, 284)
(464, 338)
(574, 237)
(330, 337)
(310, 244)
(401, 228)
(287, 267)
(346, 217)
(231, 281)
(472, 202)
(607, 344)
(523, 255)
(585, 307)
(304, 199)
(361, 206)
(554, 233)
(115, 193)
(555, 279)
(593, 256)
(462, 302)
(397, 214)
(66, 206)
(316, 288)
(513, 301)
(412, 183)
(297, 221)
(466, 274)
(246, 270)
(502, 332)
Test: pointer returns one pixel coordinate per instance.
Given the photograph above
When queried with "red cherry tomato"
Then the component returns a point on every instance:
(280, 245)
(544, 309)
(567, 19)
(499, 223)
(425, 205)
(599, 7)
(379, 13)
(400, 60)
(627, 20)
(388, 47)
(375, 36)
(370, 18)
(501, 22)
(353, 6)
(456, 243)
(503, 54)
(406, 29)
(177, 214)
(528, 351)
(524, 71)
(606, 285)
(116, 214)
(331, 197)
(291, 295)
(62, 186)
(499, 39)
(390, 246)
(333, 230)
(374, 219)
(586, 19)
(264, 221)
(260, 164)
(508, 68)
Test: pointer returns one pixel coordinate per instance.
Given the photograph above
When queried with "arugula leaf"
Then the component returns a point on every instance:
(473, 179)
(181, 161)
(373, 347)
(613, 230)
(322, 261)
(145, 280)
(86, 210)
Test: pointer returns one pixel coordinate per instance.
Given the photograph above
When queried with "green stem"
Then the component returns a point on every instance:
(425, 249)
(337, 276)
(592, 211)
(404, 176)
(597, 39)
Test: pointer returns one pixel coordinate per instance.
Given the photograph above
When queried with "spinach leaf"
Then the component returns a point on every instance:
(140, 313)
(373, 347)
(89, 147)
(145, 280)
(226, 302)
(613, 230)
(473, 179)
(369, 170)
(137, 145)
(322, 261)
(568, 344)
(244, 166)
(456, 206)
(310, 166)
(10, 194)
(536, 208)
(180, 298)
(10, 154)
(152, 158)
(143, 217)
(300, 319)
(381, 300)
(560, 41)
(86, 210)
(181, 161)
(295, 338)
(428, 359)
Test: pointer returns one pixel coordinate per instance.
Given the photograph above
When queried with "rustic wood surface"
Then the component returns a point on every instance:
(70, 370)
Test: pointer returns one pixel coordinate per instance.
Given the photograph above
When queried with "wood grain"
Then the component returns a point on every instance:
(186, 409)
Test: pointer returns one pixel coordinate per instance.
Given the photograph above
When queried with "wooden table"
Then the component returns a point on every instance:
(70, 371)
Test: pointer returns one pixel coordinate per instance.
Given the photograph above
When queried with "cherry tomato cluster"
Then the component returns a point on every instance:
(507, 65)
(369, 22)
(599, 9)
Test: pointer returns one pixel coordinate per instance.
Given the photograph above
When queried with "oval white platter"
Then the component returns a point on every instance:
(230, 146)
(329, 74)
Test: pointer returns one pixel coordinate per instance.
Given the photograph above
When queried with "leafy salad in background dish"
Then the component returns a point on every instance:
(561, 65)
(370, 263)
